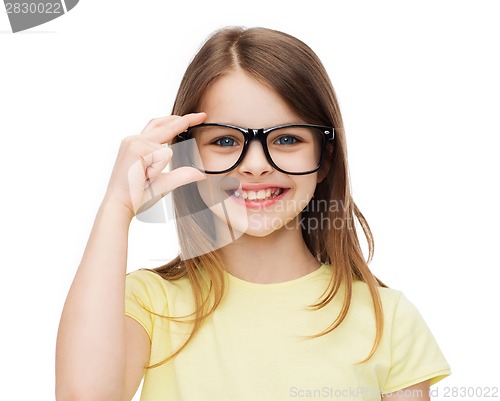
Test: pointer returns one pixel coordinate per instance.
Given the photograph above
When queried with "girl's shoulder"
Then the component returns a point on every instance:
(392, 299)
(149, 276)
(149, 285)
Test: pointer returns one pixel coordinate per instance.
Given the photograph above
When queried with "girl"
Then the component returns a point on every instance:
(270, 297)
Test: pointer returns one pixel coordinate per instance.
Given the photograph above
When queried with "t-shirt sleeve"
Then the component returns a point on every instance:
(139, 299)
(415, 354)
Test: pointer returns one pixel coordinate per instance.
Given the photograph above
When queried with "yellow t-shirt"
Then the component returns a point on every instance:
(251, 347)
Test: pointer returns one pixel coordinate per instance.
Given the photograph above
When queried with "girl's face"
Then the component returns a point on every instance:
(239, 99)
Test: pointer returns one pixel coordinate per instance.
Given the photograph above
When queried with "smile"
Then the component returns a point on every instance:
(258, 195)
(262, 197)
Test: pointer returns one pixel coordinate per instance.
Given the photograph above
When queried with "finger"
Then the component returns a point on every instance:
(134, 146)
(165, 130)
(156, 161)
(167, 182)
(159, 121)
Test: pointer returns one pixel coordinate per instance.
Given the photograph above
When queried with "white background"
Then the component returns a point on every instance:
(418, 85)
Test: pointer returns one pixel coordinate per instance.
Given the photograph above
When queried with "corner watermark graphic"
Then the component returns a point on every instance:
(24, 15)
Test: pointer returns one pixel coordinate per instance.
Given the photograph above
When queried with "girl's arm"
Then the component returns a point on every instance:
(92, 351)
(100, 353)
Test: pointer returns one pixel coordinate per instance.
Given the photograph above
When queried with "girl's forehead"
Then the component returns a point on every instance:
(240, 99)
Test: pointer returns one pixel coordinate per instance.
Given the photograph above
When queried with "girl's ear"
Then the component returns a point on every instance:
(325, 166)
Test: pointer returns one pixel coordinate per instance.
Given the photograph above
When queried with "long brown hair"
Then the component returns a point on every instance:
(293, 70)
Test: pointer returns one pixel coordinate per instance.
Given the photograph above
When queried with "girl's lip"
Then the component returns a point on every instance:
(252, 187)
(257, 187)
(256, 204)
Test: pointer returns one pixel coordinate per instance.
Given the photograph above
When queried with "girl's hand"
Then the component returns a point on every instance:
(137, 182)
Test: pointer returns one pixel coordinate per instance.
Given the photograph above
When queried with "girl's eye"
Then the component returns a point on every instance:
(286, 140)
(225, 141)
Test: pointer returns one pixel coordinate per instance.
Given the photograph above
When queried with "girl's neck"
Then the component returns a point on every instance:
(278, 257)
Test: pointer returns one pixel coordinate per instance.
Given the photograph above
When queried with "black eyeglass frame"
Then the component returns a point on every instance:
(261, 134)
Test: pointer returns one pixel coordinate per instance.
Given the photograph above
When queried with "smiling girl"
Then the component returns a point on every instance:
(270, 297)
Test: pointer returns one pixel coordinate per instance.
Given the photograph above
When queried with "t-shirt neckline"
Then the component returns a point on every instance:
(287, 283)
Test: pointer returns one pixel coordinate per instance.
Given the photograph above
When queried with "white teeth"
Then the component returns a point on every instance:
(262, 194)
(257, 195)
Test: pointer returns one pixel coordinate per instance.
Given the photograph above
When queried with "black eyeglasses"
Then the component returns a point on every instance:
(291, 149)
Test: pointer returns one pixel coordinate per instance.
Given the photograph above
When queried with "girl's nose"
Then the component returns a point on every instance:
(255, 161)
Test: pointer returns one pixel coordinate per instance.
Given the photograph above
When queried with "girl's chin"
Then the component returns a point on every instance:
(256, 230)
(253, 225)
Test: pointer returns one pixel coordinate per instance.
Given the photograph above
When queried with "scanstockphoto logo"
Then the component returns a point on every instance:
(28, 14)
